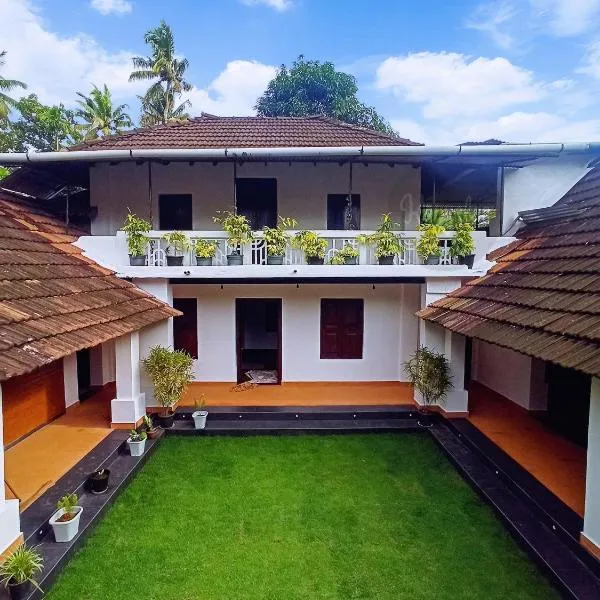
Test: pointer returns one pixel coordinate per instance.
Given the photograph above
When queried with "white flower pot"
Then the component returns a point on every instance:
(199, 417)
(136, 448)
(65, 531)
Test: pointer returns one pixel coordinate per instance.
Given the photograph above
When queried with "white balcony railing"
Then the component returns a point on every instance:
(255, 253)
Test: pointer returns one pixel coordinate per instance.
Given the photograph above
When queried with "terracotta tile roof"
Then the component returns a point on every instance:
(53, 300)
(542, 297)
(209, 131)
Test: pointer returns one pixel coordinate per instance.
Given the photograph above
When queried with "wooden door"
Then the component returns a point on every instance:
(32, 400)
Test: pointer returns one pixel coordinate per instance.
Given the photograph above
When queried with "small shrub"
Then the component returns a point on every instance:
(236, 227)
(348, 251)
(429, 242)
(177, 242)
(429, 372)
(22, 565)
(136, 229)
(205, 248)
(68, 503)
(311, 243)
(137, 436)
(386, 242)
(463, 243)
(277, 238)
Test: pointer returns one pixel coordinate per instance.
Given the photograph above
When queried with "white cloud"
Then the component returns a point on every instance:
(591, 60)
(106, 7)
(235, 90)
(567, 17)
(55, 66)
(450, 84)
(279, 5)
(492, 19)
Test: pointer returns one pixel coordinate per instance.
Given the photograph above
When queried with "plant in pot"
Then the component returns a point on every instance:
(18, 571)
(463, 245)
(151, 429)
(200, 413)
(429, 372)
(65, 521)
(428, 244)
(346, 255)
(313, 246)
(238, 232)
(170, 372)
(137, 442)
(137, 240)
(277, 239)
(177, 245)
(388, 244)
(205, 251)
(97, 482)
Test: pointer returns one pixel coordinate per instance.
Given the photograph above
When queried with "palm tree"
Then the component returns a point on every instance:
(165, 70)
(100, 117)
(6, 85)
(154, 111)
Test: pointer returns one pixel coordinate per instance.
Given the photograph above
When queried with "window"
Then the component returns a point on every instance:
(337, 212)
(185, 327)
(256, 199)
(342, 323)
(175, 212)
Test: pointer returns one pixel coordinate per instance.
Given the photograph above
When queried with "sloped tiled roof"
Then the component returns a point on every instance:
(542, 297)
(55, 301)
(209, 131)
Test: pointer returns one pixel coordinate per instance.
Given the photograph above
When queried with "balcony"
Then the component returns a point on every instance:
(111, 251)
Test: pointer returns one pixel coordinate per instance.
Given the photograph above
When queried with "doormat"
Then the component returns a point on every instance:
(262, 376)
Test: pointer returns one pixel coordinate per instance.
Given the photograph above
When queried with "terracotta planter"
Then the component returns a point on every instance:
(153, 433)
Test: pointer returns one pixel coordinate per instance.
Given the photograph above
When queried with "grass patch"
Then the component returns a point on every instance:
(310, 517)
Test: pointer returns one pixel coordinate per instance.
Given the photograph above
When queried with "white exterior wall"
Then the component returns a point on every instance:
(390, 330)
(302, 190)
(70, 379)
(524, 385)
(102, 363)
(591, 521)
(539, 185)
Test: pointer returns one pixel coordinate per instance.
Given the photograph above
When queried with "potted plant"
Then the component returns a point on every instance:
(429, 372)
(137, 442)
(388, 244)
(313, 246)
(238, 232)
(428, 244)
(200, 414)
(18, 571)
(97, 482)
(205, 251)
(177, 246)
(151, 429)
(347, 255)
(463, 245)
(65, 521)
(137, 240)
(277, 239)
(170, 372)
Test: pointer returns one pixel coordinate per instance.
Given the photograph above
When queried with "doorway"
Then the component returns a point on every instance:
(258, 340)
(84, 374)
(256, 199)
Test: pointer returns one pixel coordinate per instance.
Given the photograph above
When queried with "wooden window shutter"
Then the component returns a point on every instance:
(342, 324)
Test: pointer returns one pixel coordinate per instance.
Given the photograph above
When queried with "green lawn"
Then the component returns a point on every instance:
(284, 518)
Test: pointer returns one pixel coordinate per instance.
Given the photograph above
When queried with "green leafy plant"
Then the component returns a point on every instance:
(204, 248)
(347, 251)
(311, 243)
(200, 402)
(136, 229)
(463, 243)
(434, 216)
(177, 241)
(428, 243)
(22, 565)
(137, 436)
(385, 240)
(461, 217)
(69, 504)
(236, 227)
(170, 372)
(429, 372)
(148, 423)
(277, 238)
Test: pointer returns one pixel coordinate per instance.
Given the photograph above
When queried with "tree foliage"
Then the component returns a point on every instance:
(99, 116)
(311, 87)
(7, 85)
(160, 103)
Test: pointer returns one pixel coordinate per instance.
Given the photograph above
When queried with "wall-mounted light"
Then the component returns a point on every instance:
(221, 286)
(186, 273)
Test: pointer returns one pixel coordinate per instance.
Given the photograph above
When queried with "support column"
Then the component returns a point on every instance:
(590, 537)
(70, 379)
(129, 406)
(10, 526)
(457, 400)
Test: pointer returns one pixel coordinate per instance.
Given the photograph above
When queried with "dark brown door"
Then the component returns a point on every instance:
(32, 400)
(185, 327)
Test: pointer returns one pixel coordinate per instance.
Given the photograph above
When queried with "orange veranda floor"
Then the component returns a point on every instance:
(553, 460)
(302, 394)
(37, 462)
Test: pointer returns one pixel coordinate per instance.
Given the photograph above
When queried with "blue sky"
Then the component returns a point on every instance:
(441, 71)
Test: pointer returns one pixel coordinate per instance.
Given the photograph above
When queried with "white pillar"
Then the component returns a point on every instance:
(590, 536)
(10, 526)
(130, 405)
(457, 400)
(70, 379)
